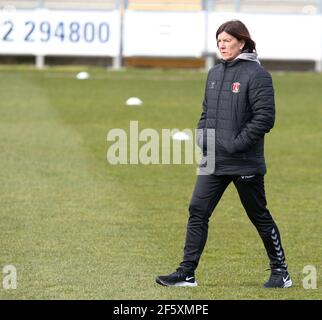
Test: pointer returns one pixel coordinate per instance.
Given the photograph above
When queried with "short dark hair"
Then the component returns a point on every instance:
(238, 30)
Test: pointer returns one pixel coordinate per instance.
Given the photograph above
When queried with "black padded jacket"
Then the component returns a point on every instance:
(239, 105)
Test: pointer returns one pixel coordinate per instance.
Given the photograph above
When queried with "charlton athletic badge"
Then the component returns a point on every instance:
(235, 87)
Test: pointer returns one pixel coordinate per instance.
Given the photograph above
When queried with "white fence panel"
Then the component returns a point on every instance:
(42, 32)
(164, 34)
(60, 32)
(277, 36)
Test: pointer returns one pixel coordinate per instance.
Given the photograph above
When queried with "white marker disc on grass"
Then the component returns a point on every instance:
(180, 136)
(134, 101)
(82, 75)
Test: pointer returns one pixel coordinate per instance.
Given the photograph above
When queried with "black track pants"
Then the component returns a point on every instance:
(206, 195)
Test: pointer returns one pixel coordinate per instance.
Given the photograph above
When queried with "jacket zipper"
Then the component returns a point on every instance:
(220, 88)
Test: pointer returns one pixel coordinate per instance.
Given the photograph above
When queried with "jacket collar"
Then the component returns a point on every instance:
(229, 63)
(245, 55)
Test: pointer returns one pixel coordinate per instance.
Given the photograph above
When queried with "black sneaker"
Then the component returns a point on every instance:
(179, 278)
(279, 278)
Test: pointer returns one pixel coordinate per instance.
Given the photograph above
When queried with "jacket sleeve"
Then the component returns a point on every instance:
(261, 98)
(203, 117)
(201, 128)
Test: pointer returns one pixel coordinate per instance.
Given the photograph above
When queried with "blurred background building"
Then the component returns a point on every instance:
(263, 6)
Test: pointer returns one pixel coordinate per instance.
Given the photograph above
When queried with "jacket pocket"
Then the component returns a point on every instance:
(225, 147)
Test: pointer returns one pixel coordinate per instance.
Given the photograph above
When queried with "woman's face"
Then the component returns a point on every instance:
(229, 46)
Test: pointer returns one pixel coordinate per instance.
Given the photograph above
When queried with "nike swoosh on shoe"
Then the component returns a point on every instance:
(189, 278)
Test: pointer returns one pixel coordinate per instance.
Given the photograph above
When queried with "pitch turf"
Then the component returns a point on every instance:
(76, 227)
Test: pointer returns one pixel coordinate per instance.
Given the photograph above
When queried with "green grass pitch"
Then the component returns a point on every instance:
(76, 227)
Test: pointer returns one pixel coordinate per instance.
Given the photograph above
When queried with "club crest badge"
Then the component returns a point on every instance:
(235, 87)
